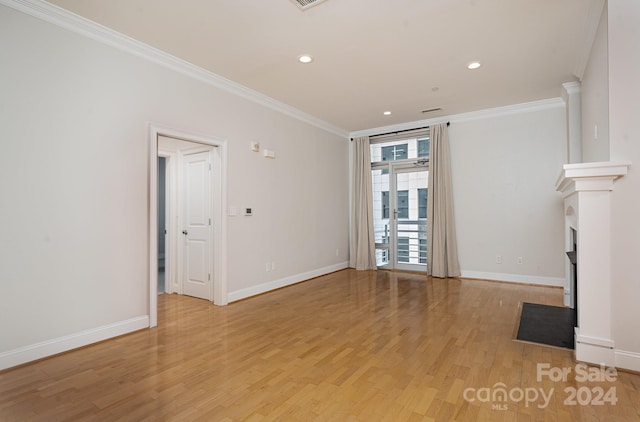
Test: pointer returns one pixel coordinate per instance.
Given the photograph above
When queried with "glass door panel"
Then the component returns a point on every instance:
(381, 212)
(410, 228)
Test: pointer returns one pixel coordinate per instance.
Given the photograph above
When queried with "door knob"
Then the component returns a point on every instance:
(185, 232)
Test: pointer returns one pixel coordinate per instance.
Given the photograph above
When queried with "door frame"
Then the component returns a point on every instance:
(170, 241)
(219, 159)
(395, 168)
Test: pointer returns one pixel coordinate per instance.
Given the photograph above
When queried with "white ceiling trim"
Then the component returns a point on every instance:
(75, 23)
(464, 117)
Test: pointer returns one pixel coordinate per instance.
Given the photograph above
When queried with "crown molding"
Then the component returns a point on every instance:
(87, 28)
(571, 88)
(464, 117)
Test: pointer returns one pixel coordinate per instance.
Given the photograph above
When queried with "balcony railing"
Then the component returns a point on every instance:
(411, 243)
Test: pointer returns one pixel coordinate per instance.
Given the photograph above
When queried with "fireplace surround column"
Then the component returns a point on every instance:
(586, 188)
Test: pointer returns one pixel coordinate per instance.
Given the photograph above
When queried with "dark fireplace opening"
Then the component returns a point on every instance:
(553, 325)
(573, 280)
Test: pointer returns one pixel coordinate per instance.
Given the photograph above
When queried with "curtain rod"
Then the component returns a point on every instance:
(400, 131)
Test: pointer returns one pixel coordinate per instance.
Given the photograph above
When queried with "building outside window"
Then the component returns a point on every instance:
(395, 152)
(423, 147)
(422, 202)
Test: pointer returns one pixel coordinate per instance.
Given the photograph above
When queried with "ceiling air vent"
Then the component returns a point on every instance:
(305, 4)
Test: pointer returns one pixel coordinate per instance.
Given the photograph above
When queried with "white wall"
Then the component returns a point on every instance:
(74, 117)
(595, 99)
(624, 103)
(612, 90)
(504, 170)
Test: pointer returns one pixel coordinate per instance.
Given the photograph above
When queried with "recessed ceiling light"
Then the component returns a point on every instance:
(387, 113)
(305, 58)
(473, 65)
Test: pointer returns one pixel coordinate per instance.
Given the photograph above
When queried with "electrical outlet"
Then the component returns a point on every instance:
(519, 260)
(273, 265)
(498, 259)
(268, 266)
(337, 252)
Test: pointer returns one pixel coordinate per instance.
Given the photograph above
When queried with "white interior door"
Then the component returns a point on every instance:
(197, 280)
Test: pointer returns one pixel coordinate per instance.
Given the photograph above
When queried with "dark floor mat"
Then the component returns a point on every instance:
(552, 325)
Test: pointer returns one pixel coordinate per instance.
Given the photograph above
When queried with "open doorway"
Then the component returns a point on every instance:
(180, 158)
(190, 198)
(162, 222)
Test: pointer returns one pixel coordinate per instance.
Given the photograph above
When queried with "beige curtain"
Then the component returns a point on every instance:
(442, 249)
(362, 247)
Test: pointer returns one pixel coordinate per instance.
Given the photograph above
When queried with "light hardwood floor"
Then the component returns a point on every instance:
(349, 346)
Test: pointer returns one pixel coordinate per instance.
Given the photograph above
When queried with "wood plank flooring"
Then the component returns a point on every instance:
(349, 346)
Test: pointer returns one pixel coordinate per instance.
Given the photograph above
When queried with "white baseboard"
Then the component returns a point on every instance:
(594, 350)
(515, 278)
(594, 354)
(283, 282)
(628, 360)
(47, 348)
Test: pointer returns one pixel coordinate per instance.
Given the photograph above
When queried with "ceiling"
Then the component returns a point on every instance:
(370, 56)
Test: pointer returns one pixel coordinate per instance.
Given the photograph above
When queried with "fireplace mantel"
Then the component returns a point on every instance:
(590, 176)
(586, 188)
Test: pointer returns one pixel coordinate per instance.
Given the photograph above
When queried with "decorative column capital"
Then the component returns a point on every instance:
(590, 176)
